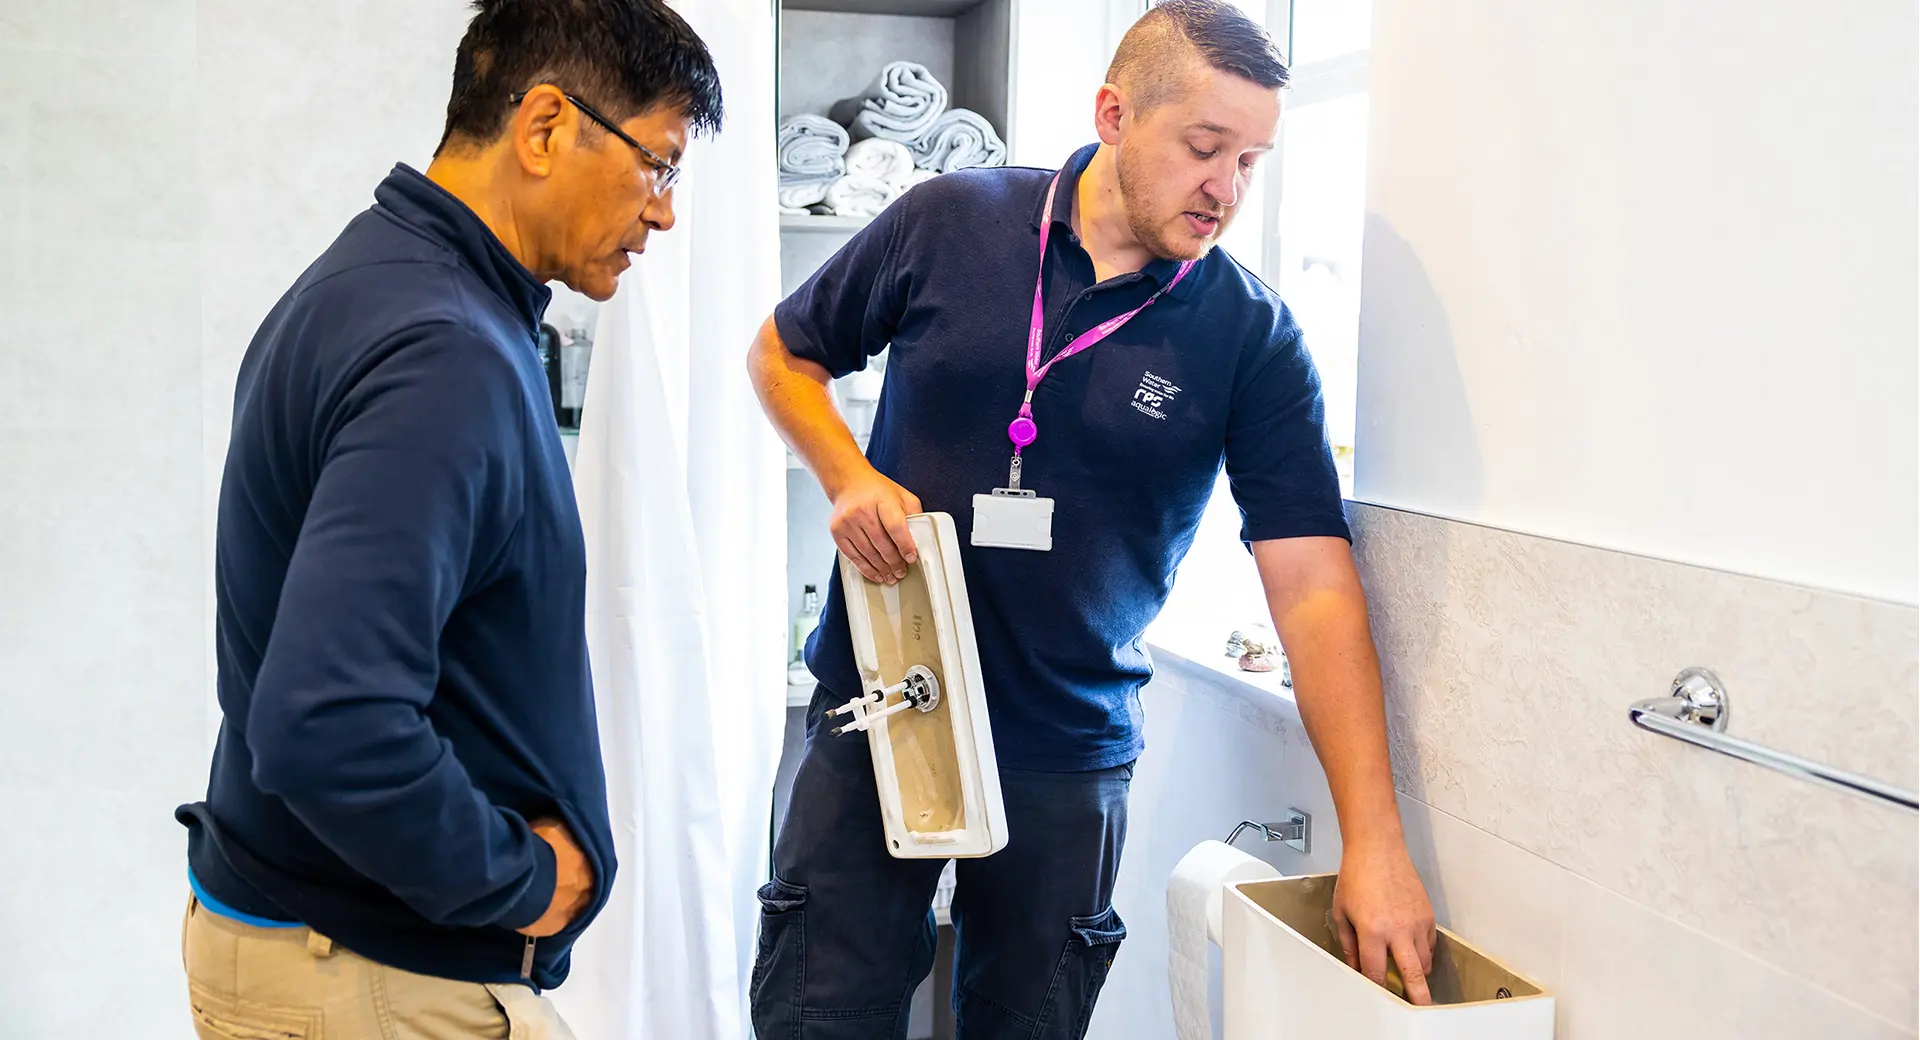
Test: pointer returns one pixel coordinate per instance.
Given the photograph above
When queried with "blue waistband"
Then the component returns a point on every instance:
(229, 912)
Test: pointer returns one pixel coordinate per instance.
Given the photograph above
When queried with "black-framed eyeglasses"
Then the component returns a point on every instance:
(665, 174)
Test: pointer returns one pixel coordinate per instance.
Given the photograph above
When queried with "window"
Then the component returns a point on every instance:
(1318, 214)
(1300, 227)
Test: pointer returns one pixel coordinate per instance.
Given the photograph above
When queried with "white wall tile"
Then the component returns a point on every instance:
(107, 334)
(99, 26)
(14, 163)
(100, 518)
(1510, 662)
(15, 255)
(99, 856)
(158, 79)
(112, 172)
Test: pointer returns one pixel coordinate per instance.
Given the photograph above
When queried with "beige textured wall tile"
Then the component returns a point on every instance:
(1631, 973)
(1510, 661)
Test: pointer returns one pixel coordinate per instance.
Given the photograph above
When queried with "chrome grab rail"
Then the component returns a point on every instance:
(1696, 713)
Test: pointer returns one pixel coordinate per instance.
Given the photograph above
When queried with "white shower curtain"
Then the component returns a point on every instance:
(683, 497)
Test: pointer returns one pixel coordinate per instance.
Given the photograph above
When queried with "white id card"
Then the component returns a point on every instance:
(1013, 520)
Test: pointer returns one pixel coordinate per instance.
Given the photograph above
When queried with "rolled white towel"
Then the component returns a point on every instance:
(801, 194)
(918, 176)
(812, 147)
(880, 158)
(858, 195)
(900, 104)
(959, 140)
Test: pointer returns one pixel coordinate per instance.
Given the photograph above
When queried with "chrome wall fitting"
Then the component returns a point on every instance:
(1296, 831)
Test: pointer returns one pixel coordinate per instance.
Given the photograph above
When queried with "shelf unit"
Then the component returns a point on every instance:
(832, 49)
(795, 223)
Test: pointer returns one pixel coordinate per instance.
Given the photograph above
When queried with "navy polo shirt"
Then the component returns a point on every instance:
(1133, 433)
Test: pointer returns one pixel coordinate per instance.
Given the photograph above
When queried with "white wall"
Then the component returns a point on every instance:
(101, 609)
(171, 168)
(1641, 275)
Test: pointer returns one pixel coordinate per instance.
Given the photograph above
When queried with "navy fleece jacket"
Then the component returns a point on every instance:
(401, 598)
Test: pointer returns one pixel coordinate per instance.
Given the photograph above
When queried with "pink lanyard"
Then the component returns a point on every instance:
(1022, 430)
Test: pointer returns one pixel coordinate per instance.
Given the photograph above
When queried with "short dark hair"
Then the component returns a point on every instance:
(1148, 60)
(623, 57)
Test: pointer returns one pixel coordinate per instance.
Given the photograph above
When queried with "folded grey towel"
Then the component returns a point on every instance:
(900, 104)
(812, 148)
(959, 140)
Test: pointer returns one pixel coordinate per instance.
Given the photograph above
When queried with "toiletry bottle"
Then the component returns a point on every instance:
(803, 625)
(550, 361)
(576, 353)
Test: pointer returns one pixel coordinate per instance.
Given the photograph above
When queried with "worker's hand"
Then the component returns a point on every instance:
(573, 880)
(1381, 909)
(870, 525)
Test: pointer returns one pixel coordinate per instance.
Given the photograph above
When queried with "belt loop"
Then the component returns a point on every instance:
(319, 945)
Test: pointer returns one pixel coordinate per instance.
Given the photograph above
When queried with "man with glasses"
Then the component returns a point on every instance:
(406, 824)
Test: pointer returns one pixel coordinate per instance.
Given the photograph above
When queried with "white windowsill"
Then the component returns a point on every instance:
(1197, 652)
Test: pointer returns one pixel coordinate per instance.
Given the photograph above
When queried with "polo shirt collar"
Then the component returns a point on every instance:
(1161, 271)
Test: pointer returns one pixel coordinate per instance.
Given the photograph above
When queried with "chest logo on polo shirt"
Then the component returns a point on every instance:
(1153, 396)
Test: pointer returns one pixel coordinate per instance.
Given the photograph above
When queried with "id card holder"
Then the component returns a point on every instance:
(1013, 519)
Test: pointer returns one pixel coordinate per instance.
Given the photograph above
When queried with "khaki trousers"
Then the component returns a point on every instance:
(248, 983)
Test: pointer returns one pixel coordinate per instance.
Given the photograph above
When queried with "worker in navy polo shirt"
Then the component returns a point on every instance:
(1132, 300)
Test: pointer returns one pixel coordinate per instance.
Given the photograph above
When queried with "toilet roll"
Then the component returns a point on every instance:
(1194, 892)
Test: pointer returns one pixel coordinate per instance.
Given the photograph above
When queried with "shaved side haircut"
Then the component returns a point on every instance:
(1154, 62)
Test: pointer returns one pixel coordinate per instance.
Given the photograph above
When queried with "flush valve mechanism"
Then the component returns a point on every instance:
(920, 690)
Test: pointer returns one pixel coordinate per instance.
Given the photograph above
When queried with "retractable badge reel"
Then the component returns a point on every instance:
(1013, 517)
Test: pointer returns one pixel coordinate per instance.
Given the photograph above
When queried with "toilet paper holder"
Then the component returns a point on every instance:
(1296, 831)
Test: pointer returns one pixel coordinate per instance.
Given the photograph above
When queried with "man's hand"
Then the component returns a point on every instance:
(573, 880)
(1381, 909)
(870, 525)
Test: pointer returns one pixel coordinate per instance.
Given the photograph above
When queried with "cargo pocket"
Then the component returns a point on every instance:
(779, 965)
(1083, 969)
(217, 1017)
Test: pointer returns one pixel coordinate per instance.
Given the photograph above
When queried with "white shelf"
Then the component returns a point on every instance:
(816, 222)
(799, 695)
